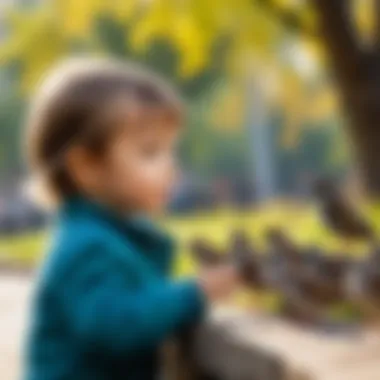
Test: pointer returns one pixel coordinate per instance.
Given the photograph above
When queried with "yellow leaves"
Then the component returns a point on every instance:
(302, 104)
(42, 35)
(304, 95)
(121, 10)
(77, 17)
(227, 111)
(24, 28)
(364, 12)
(154, 22)
(192, 44)
(258, 29)
(323, 103)
(191, 26)
(292, 99)
(309, 19)
(180, 27)
(285, 4)
(36, 42)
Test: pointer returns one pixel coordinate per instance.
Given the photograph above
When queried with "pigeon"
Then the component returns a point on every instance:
(284, 258)
(244, 256)
(205, 254)
(325, 285)
(282, 246)
(309, 281)
(240, 253)
(362, 285)
(339, 214)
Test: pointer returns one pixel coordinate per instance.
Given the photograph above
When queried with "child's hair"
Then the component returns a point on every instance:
(82, 102)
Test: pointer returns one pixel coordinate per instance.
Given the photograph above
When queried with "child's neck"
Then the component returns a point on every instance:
(110, 203)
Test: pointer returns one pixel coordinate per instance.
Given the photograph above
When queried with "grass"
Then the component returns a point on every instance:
(300, 221)
(25, 249)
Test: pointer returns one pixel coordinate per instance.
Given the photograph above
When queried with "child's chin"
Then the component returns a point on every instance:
(157, 209)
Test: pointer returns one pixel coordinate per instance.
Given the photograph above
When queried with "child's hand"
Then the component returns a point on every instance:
(219, 282)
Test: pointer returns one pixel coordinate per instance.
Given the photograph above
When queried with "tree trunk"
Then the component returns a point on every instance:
(362, 105)
(357, 71)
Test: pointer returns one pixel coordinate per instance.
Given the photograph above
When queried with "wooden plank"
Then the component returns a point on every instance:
(235, 344)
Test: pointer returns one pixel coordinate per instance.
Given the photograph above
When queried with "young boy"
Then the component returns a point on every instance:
(101, 138)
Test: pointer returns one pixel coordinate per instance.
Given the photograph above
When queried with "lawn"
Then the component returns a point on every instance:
(300, 221)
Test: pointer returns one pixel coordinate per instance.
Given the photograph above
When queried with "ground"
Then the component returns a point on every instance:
(350, 357)
(14, 296)
(302, 223)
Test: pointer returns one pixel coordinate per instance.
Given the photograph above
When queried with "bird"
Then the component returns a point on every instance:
(283, 264)
(205, 254)
(308, 281)
(307, 298)
(283, 257)
(325, 285)
(339, 214)
(296, 308)
(281, 245)
(239, 253)
(362, 285)
(244, 256)
(312, 258)
(373, 274)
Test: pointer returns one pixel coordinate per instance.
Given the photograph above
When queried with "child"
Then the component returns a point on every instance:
(101, 139)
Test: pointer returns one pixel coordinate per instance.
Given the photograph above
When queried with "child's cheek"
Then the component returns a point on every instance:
(155, 190)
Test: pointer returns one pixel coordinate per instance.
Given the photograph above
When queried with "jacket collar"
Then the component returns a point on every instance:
(137, 229)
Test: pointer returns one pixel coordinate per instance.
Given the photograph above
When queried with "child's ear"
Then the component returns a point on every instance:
(81, 166)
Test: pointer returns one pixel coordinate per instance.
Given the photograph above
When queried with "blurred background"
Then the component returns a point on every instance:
(265, 115)
(279, 93)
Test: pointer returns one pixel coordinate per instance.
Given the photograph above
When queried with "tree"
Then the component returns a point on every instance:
(39, 40)
(334, 25)
(355, 63)
(357, 69)
(195, 27)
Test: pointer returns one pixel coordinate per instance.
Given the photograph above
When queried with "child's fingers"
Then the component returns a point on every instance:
(220, 282)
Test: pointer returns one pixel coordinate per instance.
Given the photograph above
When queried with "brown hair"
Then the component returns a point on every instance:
(79, 103)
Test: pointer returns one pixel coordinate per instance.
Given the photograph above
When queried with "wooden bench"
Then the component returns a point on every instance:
(238, 345)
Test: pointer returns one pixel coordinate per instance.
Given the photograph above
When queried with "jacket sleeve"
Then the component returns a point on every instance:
(105, 311)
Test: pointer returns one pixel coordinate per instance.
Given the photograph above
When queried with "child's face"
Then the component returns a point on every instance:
(139, 168)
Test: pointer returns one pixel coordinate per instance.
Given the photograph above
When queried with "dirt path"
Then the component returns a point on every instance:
(14, 296)
(353, 357)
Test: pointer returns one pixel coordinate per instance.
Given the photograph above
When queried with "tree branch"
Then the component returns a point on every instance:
(338, 34)
(336, 31)
(289, 19)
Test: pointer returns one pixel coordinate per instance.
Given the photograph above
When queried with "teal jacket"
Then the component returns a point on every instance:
(103, 302)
